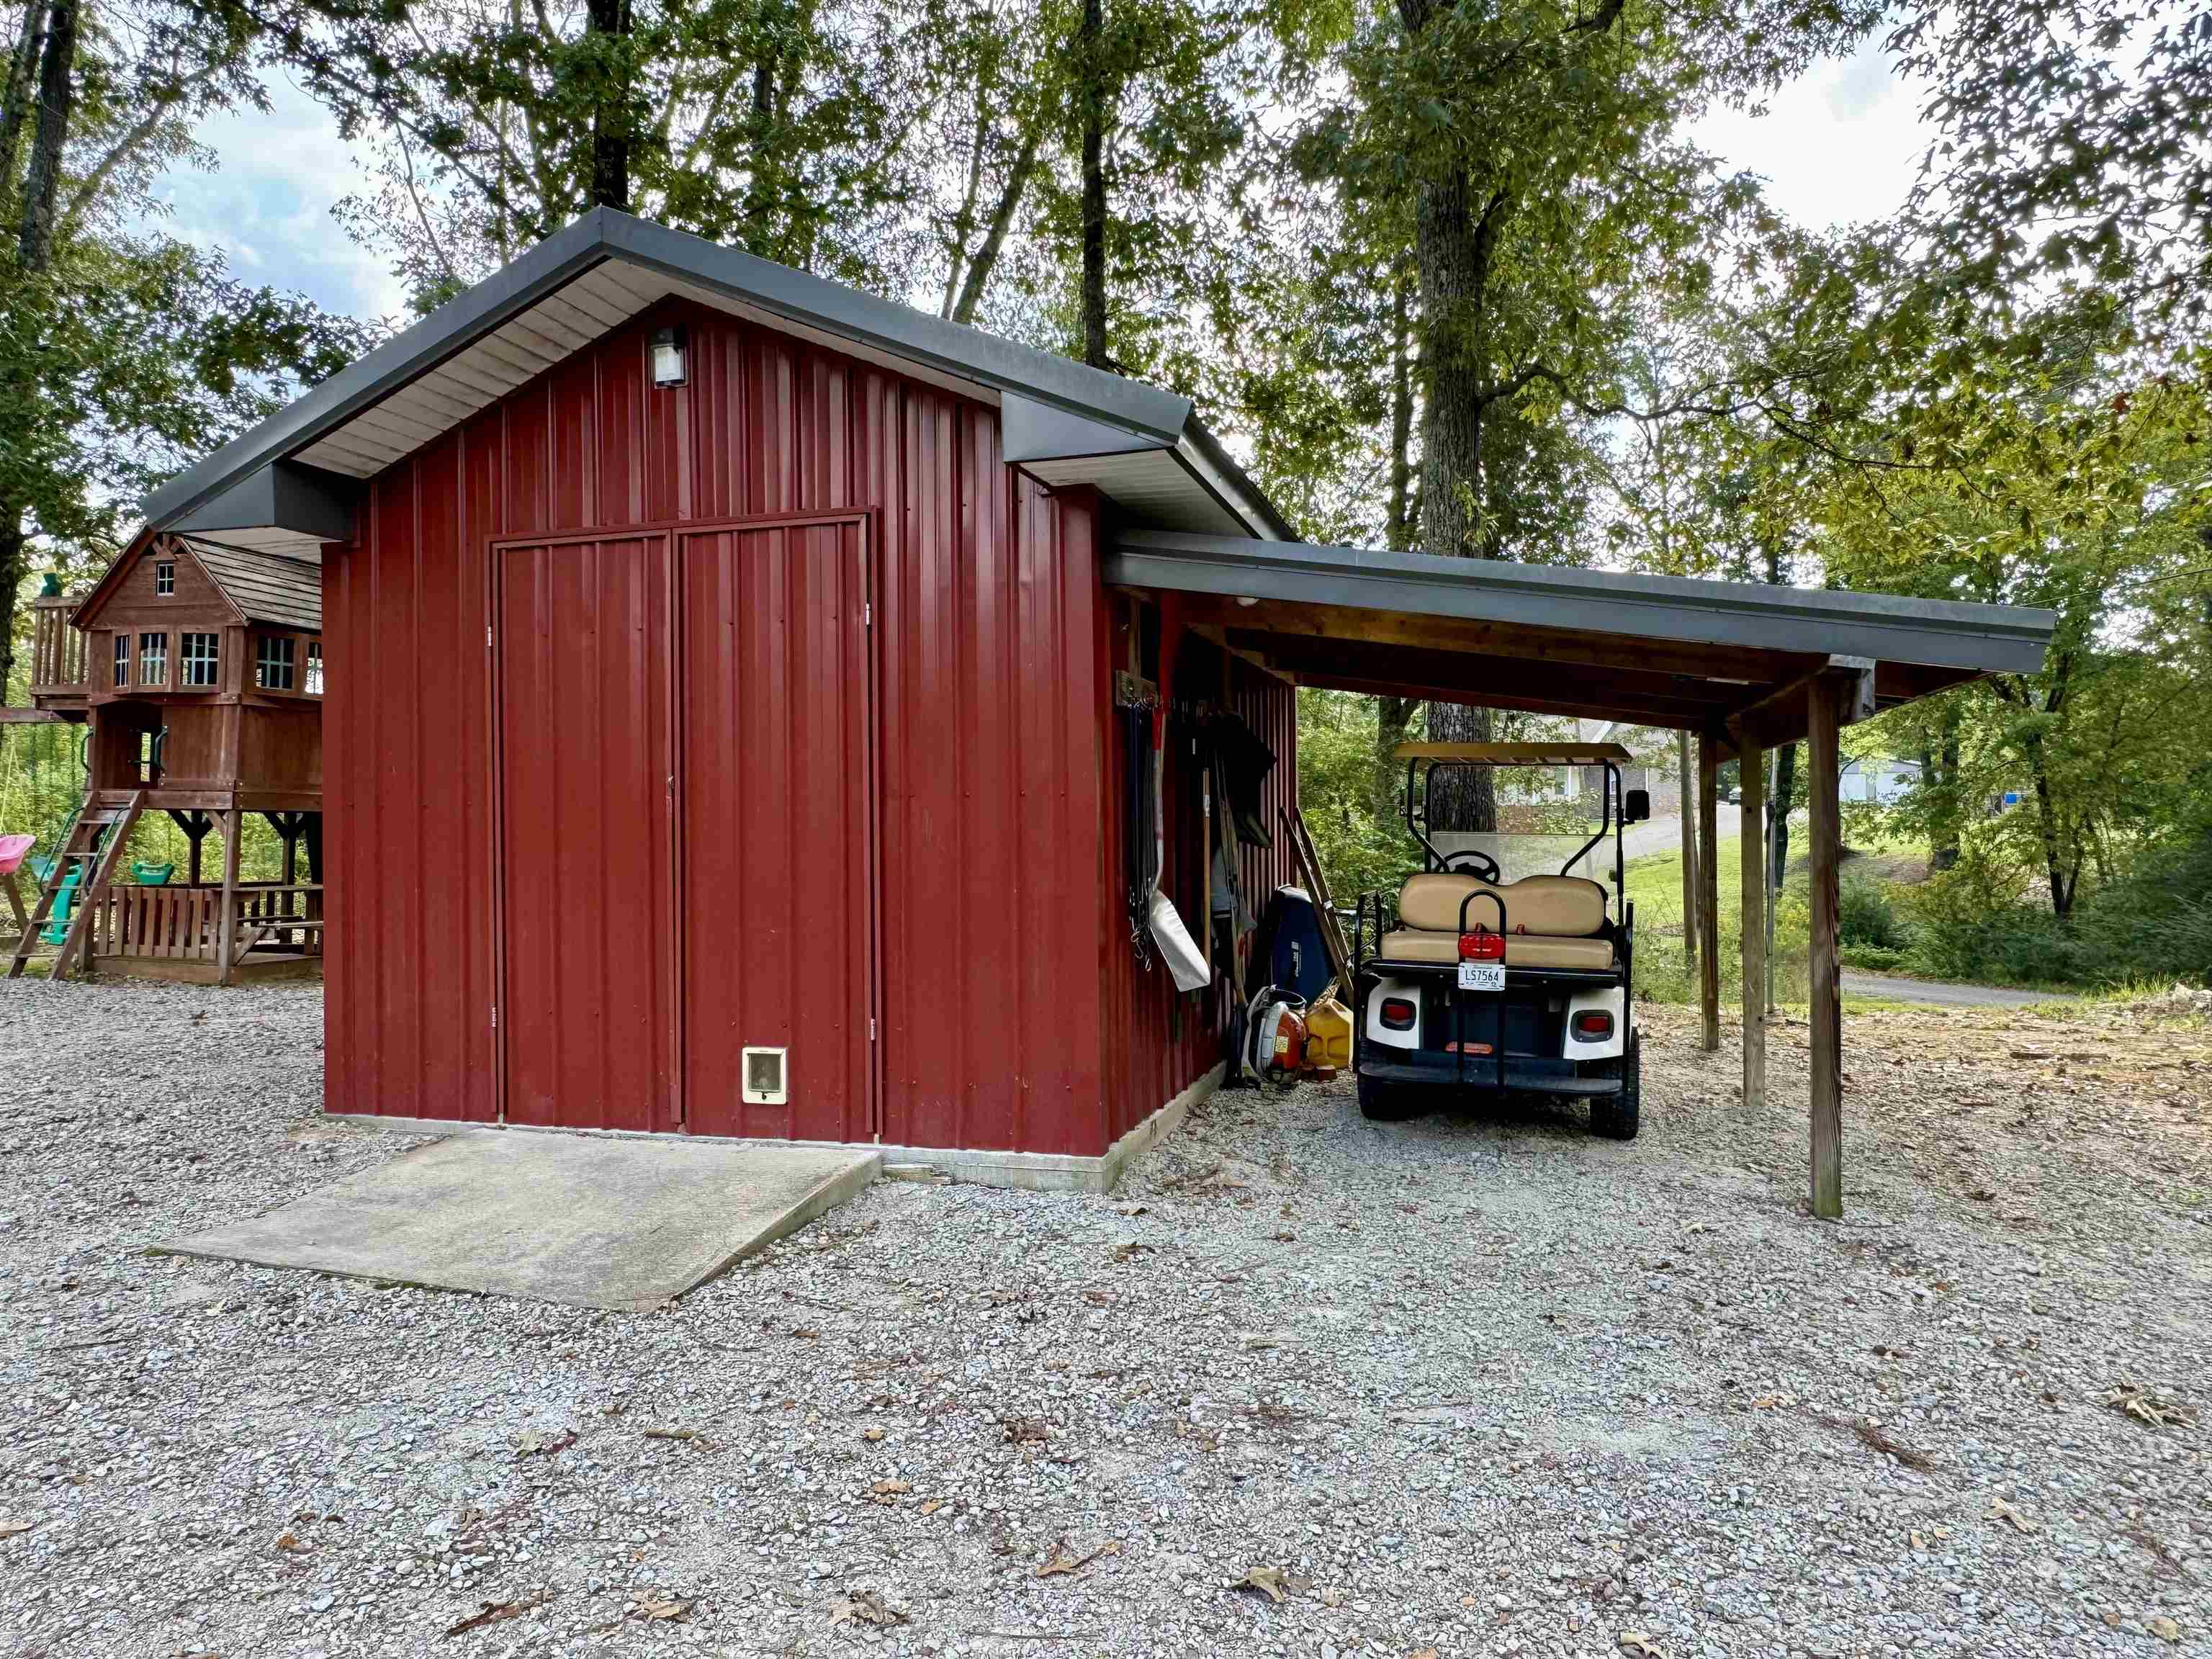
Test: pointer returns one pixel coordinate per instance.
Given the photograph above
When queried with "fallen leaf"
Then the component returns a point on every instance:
(933, 1506)
(2163, 1628)
(888, 1492)
(1981, 1195)
(2001, 1510)
(1331, 1598)
(2152, 1410)
(1918, 1542)
(1423, 1653)
(1269, 1581)
(1131, 1209)
(868, 1609)
(9, 1528)
(1641, 1646)
(543, 1440)
(675, 1434)
(1060, 1561)
(288, 1540)
(654, 1608)
(1024, 1431)
(494, 1613)
(871, 1434)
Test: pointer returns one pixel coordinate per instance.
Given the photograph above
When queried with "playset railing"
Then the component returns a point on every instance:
(185, 924)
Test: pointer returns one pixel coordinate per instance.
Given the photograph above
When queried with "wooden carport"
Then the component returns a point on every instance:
(1744, 668)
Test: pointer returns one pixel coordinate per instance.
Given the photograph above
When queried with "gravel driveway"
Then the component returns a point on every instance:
(1472, 1385)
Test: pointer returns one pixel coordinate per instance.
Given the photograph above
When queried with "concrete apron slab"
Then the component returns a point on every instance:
(584, 1221)
(1034, 1172)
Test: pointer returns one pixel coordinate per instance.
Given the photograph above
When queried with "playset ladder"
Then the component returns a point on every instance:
(95, 843)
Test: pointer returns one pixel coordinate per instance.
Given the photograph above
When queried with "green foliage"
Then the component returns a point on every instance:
(1865, 916)
(1361, 851)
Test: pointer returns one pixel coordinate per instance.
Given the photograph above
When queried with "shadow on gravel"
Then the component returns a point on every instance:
(1500, 1116)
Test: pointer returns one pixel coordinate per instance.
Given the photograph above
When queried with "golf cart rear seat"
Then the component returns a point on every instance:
(1551, 922)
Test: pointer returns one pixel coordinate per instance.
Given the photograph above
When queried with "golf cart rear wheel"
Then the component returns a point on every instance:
(1614, 1116)
(1384, 1103)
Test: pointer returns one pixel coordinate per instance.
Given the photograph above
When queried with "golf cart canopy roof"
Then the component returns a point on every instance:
(1734, 662)
(1515, 754)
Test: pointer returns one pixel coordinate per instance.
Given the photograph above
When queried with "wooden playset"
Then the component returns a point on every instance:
(197, 669)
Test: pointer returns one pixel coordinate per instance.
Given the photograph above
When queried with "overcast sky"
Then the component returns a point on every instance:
(1839, 146)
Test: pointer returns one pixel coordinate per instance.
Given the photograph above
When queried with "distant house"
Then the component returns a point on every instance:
(1881, 780)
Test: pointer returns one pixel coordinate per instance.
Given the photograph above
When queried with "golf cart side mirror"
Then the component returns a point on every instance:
(1636, 806)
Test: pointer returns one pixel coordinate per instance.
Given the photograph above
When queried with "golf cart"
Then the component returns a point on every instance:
(1471, 980)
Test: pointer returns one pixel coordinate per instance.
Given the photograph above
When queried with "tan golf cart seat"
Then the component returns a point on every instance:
(1551, 922)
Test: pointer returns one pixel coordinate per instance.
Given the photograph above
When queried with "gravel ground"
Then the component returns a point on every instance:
(1474, 1384)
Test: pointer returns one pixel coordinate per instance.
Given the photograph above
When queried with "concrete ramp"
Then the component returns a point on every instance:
(584, 1220)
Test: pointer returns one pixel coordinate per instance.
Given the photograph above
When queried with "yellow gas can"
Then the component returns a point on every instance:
(1328, 1033)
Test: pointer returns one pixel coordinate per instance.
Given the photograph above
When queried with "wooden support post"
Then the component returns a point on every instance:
(1687, 817)
(1825, 849)
(226, 930)
(1751, 841)
(1709, 889)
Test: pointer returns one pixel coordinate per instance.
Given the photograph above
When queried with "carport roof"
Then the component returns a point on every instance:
(1731, 657)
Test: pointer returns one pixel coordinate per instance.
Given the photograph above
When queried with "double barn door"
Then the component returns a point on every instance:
(685, 839)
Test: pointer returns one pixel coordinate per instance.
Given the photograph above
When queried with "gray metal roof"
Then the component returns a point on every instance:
(268, 587)
(607, 267)
(1726, 658)
(1887, 627)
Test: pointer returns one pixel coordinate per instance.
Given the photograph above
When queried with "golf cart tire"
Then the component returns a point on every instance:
(1615, 1116)
(1386, 1102)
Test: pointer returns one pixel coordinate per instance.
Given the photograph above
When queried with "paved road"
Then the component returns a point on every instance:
(1941, 995)
(1665, 834)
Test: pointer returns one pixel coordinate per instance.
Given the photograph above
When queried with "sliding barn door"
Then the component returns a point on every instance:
(586, 731)
(776, 830)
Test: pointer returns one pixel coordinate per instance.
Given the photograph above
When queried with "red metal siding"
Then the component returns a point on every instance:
(777, 900)
(1160, 1042)
(989, 770)
(586, 743)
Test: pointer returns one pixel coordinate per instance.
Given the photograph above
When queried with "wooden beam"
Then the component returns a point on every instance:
(1574, 708)
(1752, 842)
(225, 931)
(1685, 820)
(1709, 889)
(1779, 718)
(1640, 693)
(1745, 667)
(1823, 721)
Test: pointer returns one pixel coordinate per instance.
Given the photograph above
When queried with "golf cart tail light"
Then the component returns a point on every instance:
(1482, 947)
(1397, 1013)
(1593, 1026)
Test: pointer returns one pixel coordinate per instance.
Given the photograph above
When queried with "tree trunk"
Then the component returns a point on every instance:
(1091, 50)
(1465, 800)
(42, 183)
(1394, 716)
(11, 582)
(1777, 815)
(1451, 253)
(610, 19)
(2054, 862)
(1398, 526)
(15, 101)
(1939, 772)
(994, 240)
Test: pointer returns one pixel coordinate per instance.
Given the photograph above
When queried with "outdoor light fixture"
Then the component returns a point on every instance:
(1246, 599)
(669, 367)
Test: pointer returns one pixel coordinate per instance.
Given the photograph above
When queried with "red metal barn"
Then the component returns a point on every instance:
(718, 660)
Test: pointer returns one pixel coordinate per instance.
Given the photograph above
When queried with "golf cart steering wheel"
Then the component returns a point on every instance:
(1478, 863)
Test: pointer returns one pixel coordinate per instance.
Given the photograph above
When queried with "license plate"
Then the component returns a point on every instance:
(1482, 977)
